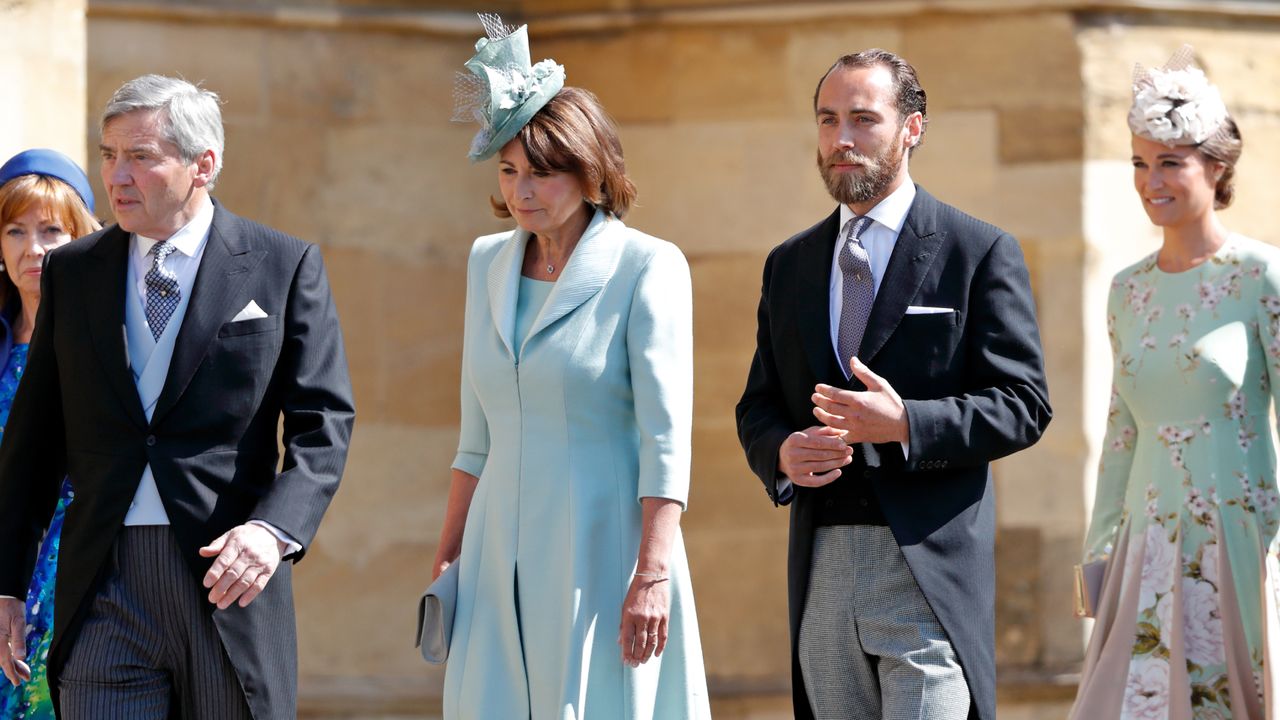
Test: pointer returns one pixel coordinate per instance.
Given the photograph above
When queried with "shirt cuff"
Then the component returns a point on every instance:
(906, 450)
(7, 597)
(291, 546)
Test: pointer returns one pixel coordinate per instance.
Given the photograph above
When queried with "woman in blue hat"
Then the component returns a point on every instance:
(573, 590)
(45, 201)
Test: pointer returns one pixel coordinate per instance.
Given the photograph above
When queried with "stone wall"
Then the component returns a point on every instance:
(42, 72)
(337, 118)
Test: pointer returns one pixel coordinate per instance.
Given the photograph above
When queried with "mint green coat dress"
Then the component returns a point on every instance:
(567, 429)
(1187, 509)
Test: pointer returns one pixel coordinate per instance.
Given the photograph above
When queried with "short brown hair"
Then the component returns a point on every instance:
(572, 133)
(909, 96)
(1224, 146)
(63, 203)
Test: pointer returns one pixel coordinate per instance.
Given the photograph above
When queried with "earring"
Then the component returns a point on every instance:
(1, 266)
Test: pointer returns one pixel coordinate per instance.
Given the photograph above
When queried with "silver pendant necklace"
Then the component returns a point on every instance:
(551, 269)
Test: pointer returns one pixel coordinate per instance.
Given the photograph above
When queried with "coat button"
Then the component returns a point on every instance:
(151, 440)
(863, 502)
(866, 474)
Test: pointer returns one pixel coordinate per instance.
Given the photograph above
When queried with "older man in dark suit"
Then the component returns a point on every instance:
(167, 350)
(897, 355)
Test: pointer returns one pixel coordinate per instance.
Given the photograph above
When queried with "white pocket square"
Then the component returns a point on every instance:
(250, 312)
(927, 310)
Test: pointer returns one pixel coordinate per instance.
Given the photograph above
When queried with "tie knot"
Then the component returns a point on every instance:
(162, 250)
(855, 226)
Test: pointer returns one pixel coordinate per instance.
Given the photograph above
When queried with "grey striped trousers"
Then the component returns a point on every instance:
(870, 646)
(148, 649)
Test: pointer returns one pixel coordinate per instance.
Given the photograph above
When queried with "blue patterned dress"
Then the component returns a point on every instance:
(31, 700)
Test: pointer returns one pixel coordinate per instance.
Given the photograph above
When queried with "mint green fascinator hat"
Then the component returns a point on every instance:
(502, 91)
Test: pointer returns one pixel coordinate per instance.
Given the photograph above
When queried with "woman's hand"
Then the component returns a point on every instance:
(643, 633)
(444, 558)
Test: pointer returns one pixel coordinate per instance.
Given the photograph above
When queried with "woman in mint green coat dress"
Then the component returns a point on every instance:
(574, 598)
(1186, 512)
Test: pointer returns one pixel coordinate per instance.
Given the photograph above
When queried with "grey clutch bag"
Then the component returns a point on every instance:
(435, 616)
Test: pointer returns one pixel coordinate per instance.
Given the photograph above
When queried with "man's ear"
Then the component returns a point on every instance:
(912, 129)
(205, 163)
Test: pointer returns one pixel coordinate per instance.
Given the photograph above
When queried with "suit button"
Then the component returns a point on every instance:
(866, 474)
(863, 502)
(151, 440)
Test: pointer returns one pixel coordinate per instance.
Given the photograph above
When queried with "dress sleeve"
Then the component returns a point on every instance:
(660, 351)
(473, 436)
(1269, 330)
(1117, 456)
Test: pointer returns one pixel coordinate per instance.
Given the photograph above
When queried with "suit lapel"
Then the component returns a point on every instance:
(913, 255)
(227, 264)
(104, 290)
(813, 297)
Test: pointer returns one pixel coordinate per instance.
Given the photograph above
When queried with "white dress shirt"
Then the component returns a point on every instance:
(879, 239)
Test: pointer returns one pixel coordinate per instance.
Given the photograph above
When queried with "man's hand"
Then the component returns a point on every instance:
(813, 457)
(875, 415)
(13, 643)
(248, 556)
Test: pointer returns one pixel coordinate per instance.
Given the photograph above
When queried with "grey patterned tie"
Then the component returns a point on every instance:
(162, 290)
(857, 289)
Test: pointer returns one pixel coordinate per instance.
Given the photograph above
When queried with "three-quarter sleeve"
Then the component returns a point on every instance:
(473, 435)
(660, 351)
(1117, 456)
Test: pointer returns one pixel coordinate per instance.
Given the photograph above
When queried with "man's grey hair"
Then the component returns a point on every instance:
(190, 116)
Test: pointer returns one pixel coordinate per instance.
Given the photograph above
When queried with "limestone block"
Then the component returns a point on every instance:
(1005, 61)
(724, 494)
(813, 48)
(1039, 135)
(406, 190)
(727, 185)
(347, 77)
(1029, 198)
(725, 296)
(959, 159)
(720, 73)
(1253, 212)
(226, 59)
(1017, 595)
(740, 588)
(1062, 636)
(274, 173)
(42, 74)
(359, 306)
(629, 72)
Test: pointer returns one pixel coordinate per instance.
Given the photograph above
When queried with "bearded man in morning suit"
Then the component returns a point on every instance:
(897, 355)
(166, 352)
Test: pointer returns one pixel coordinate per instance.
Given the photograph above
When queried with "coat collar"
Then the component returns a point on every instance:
(590, 266)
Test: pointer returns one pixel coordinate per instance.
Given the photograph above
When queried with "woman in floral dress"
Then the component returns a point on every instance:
(1186, 503)
(45, 201)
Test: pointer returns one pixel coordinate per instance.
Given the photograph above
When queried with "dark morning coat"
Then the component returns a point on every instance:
(212, 440)
(973, 384)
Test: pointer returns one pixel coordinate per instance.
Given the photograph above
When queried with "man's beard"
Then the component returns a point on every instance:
(859, 186)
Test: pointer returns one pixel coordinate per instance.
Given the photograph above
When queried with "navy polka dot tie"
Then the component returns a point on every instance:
(857, 289)
(162, 290)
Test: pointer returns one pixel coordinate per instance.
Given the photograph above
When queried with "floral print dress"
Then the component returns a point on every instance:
(1186, 507)
(31, 700)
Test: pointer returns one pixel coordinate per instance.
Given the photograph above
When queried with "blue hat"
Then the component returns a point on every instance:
(503, 91)
(53, 164)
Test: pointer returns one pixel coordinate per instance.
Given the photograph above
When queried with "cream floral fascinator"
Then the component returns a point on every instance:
(502, 91)
(1175, 104)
